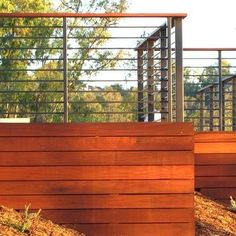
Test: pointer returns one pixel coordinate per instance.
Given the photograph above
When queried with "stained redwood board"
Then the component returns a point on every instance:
(215, 137)
(97, 129)
(215, 182)
(215, 156)
(219, 193)
(95, 187)
(215, 170)
(100, 216)
(215, 159)
(96, 172)
(95, 143)
(223, 147)
(124, 179)
(180, 229)
(99, 201)
(96, 158)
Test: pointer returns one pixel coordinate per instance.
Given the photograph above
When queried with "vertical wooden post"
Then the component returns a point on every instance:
(234, 103)
(164, 82)
(140, 86)
(150, 79)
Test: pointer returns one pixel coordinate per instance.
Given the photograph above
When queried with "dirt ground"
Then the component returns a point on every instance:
(11, 224)
(212, 219)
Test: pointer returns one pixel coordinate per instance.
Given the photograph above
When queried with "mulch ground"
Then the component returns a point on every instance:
(212, 219)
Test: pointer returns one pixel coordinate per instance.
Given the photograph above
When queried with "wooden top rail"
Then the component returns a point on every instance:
(93, 15)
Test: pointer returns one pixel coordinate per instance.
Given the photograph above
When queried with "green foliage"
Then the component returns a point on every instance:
(25, 223)
(38, 104)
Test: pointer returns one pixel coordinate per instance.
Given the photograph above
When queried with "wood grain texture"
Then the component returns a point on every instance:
(103, 216)
(215, 159)
(95, 143)
(96, 187)
(99, 201)
(105, 179)
(215, 182)
(215, 170)
(96, 158)
(97, 130)
(219, 193)
(180, 229)
(96, 172)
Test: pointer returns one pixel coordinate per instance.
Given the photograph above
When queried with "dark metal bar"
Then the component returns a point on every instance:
(65, 69)
(164, 84)
(169, 73)
(179, 71)
(150, 80)
(223, 109)
(220, 90)
(202, 100)
(140, 86)
(211, 108)
(234, 104)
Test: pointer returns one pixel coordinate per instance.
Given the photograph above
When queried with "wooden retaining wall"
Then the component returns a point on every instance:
(103, 179)
(215, 159)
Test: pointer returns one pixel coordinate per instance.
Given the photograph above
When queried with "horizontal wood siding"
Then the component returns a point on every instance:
(215, 160)
(103, 179)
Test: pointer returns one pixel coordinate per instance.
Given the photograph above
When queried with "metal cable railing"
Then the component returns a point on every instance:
(209, 88)
(57, 67)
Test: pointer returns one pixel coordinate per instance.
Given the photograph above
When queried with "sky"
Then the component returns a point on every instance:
(210, 23)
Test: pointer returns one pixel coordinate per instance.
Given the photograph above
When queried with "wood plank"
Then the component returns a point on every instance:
(99, 201)
(180, 229)
(96, 158)
(215, 159)
(94, 143)
(100, 216)
(219, 193)
(97, 129)
(96, 172)
(229, 147)
(211, 182)
(215, 170)
(95, 187)
(215, 137)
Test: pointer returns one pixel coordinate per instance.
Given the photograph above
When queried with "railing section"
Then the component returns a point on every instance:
(90, 67)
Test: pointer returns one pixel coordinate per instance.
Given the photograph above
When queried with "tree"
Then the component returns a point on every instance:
(21, 45)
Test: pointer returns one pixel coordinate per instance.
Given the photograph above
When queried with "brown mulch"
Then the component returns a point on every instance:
(11, 219)
(212, 218)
